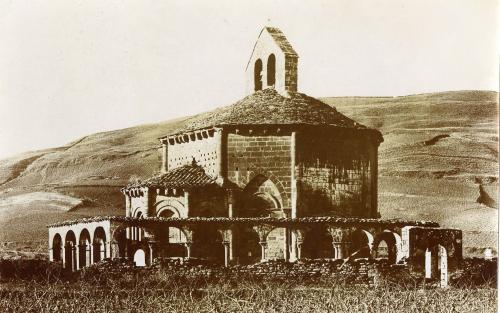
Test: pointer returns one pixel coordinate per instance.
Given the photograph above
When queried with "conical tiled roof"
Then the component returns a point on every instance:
(268, 107)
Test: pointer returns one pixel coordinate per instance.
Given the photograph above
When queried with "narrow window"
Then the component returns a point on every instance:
(271, 70)
(258, 75)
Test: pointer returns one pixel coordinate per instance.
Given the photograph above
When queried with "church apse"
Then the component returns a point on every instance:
(336, 174)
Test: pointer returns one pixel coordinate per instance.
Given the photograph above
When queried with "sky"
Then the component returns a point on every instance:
(73, 68)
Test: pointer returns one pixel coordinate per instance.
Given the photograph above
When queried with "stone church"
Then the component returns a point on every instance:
(276, 175)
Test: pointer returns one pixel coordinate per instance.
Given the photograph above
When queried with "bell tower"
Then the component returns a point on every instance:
(273, 63)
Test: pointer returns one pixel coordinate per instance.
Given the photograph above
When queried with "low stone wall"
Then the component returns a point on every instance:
(359, 272)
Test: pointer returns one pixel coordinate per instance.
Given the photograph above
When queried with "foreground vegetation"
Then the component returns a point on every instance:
(100, 289)
(246, 297)
(167, 296)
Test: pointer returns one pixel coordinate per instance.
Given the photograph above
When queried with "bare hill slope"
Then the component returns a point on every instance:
(439, 149)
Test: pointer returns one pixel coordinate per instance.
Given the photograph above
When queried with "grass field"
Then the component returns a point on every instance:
(164, 295)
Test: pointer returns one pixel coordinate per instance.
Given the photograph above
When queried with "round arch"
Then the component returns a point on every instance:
(207, 244)
(140, 258)
(387, 245)
(261, 197)
(436, 263)
(137, 212)
(254, 174)
(257, 75)
(99, 244)
(361, 244)
(84, 248)
(317, 244)
(271, 70)
(56, 248)
(70, 250)
(276, 243)
(171, 239)
(170, 204)
(119, 240)
(167, 211)
(261, 205)
(247, 247)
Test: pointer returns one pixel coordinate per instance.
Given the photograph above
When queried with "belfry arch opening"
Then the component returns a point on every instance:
(257, 75)
(271, 70)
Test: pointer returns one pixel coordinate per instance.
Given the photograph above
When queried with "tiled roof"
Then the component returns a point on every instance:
(281, 40)
(266, 107)
(332, 220)
(187, 176)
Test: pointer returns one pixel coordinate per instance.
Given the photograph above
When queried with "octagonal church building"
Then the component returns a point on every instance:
(276, 175)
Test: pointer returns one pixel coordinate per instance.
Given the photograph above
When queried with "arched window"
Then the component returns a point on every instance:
(257, 74)
(271, 70)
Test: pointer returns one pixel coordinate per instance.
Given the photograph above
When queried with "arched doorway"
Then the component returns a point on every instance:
(261, 205)
(56, 248)
(84, 248)
(99, 244)
(260, 198)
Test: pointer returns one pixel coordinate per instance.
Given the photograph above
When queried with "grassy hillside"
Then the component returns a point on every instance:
(439, 150)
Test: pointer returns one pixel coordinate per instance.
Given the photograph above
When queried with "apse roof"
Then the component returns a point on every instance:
(268, 107)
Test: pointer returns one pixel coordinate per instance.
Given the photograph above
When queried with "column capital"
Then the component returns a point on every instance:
(263, 230)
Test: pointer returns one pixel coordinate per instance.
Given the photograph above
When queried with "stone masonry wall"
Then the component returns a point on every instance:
(334, 176)
(361, 272)
(251, 155)
(291, 73)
